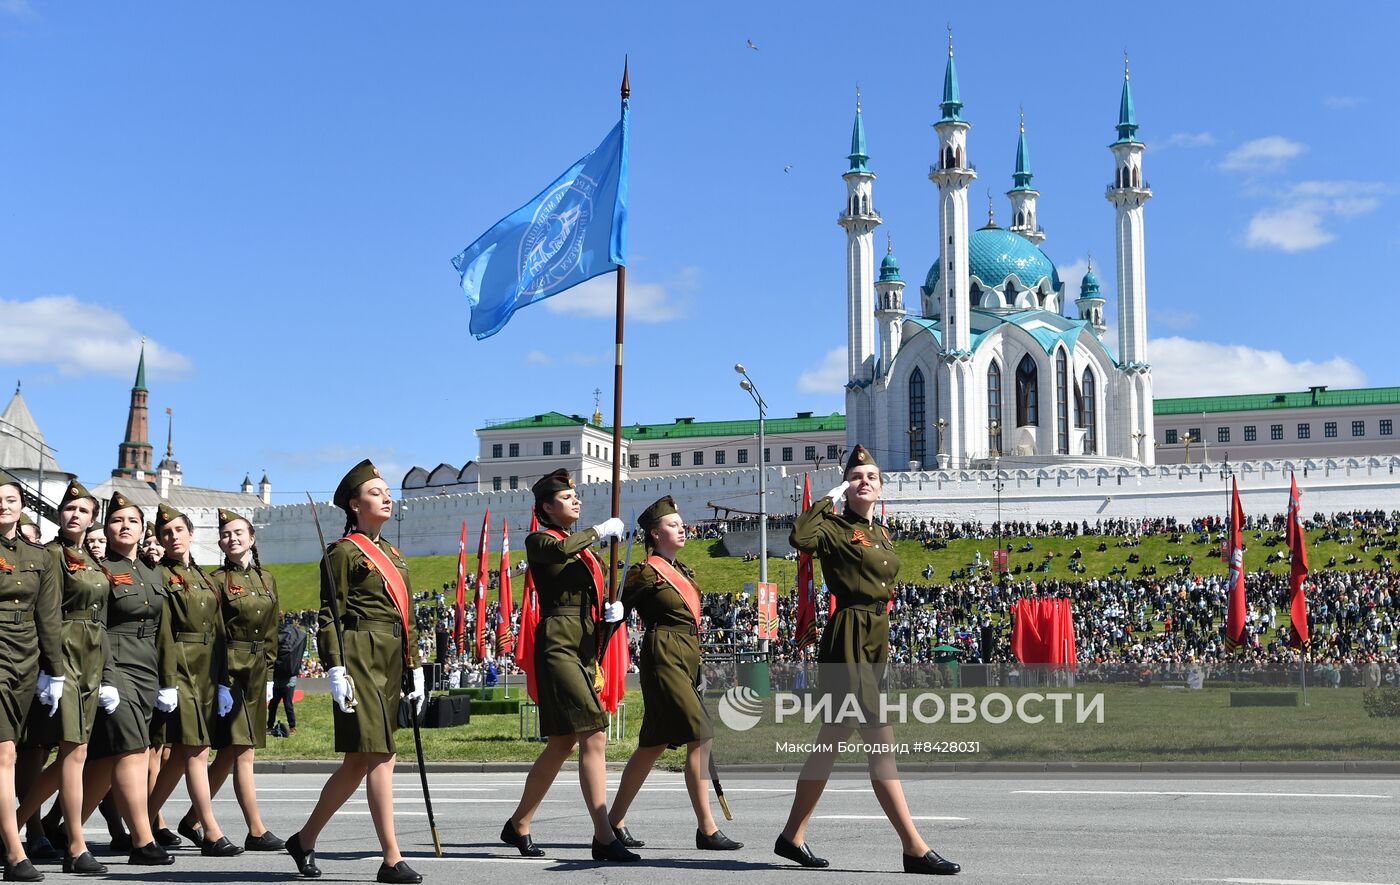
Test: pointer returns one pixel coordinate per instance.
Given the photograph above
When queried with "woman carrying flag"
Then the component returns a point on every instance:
(860, 567)
(569, 582)
(663, 591)
(364, 579)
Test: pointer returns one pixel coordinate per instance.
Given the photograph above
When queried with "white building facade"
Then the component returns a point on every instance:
(985, 366)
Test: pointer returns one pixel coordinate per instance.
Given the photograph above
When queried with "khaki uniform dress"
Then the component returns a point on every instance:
(859, 566)
(250, 612)
(565, 654)
(84, 589)
(138, 635)
(30, 630)
(670, 661)
(374, 654)
(198, 666)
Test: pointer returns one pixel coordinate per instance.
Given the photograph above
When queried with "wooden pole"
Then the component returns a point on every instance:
(613, 582)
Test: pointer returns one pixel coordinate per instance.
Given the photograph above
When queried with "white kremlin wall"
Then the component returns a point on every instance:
(432, 525)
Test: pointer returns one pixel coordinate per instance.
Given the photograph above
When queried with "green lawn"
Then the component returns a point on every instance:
(717, 572)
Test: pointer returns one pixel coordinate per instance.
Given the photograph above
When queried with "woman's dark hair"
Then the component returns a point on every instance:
(349, 522)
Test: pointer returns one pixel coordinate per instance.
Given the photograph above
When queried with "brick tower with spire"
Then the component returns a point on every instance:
(134, 454)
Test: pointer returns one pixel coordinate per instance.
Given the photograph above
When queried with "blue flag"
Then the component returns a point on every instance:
(572, 231)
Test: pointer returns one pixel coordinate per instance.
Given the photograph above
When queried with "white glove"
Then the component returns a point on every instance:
(611, 527)
(837, 493)
(269, 691)
(341, 691)
(108, 697)
(167, 699)
(41, 691)
(55, 694)
(225, 701)
(612, 612)
(418, 694)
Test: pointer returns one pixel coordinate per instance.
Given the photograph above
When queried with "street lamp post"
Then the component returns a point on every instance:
(749, 387)
(997, 484)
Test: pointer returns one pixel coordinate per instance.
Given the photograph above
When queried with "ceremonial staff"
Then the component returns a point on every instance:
(617, 398)
(422, 768)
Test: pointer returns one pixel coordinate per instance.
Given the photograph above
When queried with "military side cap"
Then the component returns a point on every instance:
(228, 516)
(359, 475)
(860, 457)
(165, 514)
(24, 518)
(653, 514)
(75, 492)
(119, 502)
(8, 479)
(549, 485)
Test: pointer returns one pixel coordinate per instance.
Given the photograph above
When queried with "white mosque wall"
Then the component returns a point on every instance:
(432, 525)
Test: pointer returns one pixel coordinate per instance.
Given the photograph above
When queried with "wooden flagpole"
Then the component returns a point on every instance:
(613, 582)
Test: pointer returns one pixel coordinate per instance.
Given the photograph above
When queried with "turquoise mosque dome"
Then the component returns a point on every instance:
(996, 253)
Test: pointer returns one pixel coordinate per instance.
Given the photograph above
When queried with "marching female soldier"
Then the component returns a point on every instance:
(365, 580)
(663, 591)
(139, 639)
(248, 596)
(84, 589)
(195, 678)
(31, 651)
(860, 566)
(570, 585)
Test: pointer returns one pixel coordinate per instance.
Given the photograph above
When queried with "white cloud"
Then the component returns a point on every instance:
(586, 359)
(78, 338)
(1267, 154)
(1174, 319)
(1342, 102)
(538, 358)
(828, 376)
(1296, 223)
(1186, 367)
(1072, 275)
(645, 302)
(1189, 140)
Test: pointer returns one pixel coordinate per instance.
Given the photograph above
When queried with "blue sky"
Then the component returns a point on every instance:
(272, 194)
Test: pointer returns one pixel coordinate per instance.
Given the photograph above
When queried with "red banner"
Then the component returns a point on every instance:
(1235, 633)
(1042, 632)
(483, 577)
(1298, 570)
(504, 643)
(529, 617)
(804, 632)
(459, 629)
(999, 558)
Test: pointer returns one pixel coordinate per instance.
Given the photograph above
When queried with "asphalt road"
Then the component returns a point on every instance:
(1043, 829)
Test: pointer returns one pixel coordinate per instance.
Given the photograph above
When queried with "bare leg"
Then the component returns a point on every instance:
(156, 761)
(697, 784)
(66, 776)
(811, 782)
(593, 780)
(169, 777)
(9, 825)
(340, 786)
(541, 776)
(633, 776)
(245, 789)
(129, 782)
(884, 779)
(29, 763)
(380, 794)
(197, 785)
(98, 777)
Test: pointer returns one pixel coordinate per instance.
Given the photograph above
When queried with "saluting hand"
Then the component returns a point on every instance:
(838, 493)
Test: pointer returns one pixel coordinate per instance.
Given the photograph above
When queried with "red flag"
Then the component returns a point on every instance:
(1298, 572)
(1042, 631)
(459, 629)
(804, 633)
(529, 617)
(483, 577)
(1235, 614)
(617, 660)
(504, 642)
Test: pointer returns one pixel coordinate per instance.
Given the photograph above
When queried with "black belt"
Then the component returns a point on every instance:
(389, 628)
(82, 614)
(688, 629)
(201, 638)
(140, 630)
(563, 611)
(878, 608)
(16, 617)
(249, 645)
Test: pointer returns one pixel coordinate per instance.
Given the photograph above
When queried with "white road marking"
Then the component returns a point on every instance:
(1291, 882)
(1202, 793)
(880, 817)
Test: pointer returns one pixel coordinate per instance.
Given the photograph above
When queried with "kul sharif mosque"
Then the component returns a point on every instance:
(984, 364)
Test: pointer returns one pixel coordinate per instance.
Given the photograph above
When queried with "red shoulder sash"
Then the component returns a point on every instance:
(595, 569)
(679, 581)
(393, 581)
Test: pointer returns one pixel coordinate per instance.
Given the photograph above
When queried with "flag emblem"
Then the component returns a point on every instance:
(553, 244)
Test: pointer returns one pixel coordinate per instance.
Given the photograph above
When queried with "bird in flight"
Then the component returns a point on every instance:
(752, 45)
(787, 168)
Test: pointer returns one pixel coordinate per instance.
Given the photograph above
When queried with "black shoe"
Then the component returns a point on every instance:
(57, 833)
(121, 843)
(521, 841)
(930, 864)
(614, 851)
(265, 842)
(23, 872)
(84, 864)
(399, 872)
(306, 860)
(167, 839)
(150, 855)
(716, 841)
(626, 838)
(187, 828)
(42, 849)
(222, 848)
(798, 853)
